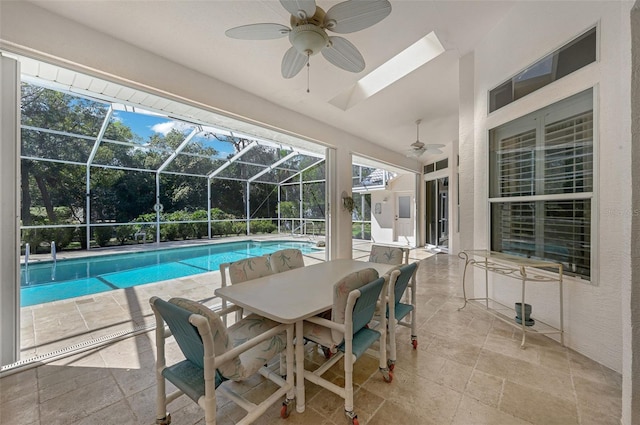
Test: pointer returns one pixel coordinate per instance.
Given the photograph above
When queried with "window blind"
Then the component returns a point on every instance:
(516, 164)
(568, 155)
(543, 156)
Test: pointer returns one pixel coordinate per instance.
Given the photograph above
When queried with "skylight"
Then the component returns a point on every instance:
(410, 59)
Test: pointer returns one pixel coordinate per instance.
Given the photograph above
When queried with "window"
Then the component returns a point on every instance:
(574, 55)
(541, 184)
(436, 166)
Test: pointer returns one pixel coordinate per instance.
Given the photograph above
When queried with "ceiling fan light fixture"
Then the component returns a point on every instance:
(308, 39)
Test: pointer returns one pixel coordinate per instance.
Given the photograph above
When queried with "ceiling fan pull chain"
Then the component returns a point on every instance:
(308, 68)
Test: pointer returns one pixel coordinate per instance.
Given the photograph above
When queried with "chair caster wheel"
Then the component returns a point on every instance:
(285, 410)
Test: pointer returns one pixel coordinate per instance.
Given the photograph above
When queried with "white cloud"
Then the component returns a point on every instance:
(164, 127)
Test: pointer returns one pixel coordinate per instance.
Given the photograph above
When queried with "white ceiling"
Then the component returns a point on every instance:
(192, 33)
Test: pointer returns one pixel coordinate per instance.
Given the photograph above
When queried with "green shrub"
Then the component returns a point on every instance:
(62, 236)
(200, 230)
(169, 231)
(239, 228)
(218, 214)
(224, 227)
(178, 230)
(149, 229)
(221, 228)
(33, 237)
(102, 235)
(125, 233)
(262, 226)
(288, 209)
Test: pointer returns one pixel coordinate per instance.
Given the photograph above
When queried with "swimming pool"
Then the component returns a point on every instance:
(51, 281)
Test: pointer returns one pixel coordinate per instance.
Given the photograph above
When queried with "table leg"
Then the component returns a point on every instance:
(522, 310)
(299, 368)
(464, 275)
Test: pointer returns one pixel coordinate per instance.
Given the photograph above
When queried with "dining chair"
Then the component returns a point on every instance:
(395, 255)
(355, 300)
(249, 268)
(401, 279)
(242, 271)
(281, 261)
(286, 259)
(214, 354)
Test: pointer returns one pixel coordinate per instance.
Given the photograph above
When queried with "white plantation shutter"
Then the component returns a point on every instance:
(517, 164)
(547, 158)
(568, 155)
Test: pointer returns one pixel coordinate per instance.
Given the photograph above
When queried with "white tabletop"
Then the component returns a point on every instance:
(293, 295)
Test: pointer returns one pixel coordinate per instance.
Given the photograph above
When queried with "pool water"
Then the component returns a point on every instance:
(51, 281)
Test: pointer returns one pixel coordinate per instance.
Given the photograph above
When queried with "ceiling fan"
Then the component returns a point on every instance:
(308, 34)
(418, 148)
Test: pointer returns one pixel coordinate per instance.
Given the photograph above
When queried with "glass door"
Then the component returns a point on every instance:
(437, 209)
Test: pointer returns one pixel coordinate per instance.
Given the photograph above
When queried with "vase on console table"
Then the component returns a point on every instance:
(528, 321)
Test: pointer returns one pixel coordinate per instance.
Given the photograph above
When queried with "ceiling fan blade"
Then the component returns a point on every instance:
(258, 32)
(415, 153)
(433, 151)
(434, 146)
(292, 62)
(352, 16)
(302, 9)
(343, 54)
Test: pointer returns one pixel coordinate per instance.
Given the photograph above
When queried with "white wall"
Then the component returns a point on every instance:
(382, 225)
(631, 293)
(592, 311)
(9, 211)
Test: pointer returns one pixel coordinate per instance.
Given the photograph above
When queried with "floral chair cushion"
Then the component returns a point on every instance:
(250, 268)
(221, 341)
(386, 255)
(341, 291)
(286, 259)
(253, 359)
(250, 361)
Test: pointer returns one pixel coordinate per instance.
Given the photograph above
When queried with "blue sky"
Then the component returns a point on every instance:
(145, 126)
(140, 124)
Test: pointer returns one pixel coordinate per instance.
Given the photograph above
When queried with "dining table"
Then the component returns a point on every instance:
(294, 295)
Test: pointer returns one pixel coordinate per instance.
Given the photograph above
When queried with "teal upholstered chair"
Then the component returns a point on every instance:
(214, 354)
(395, 255)
(355, 300)
(286, 259)
(397, 310)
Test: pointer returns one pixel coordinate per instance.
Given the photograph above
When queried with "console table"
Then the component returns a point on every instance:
(522, 269)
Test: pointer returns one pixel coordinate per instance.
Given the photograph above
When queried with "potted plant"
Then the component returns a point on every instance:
(347, 202)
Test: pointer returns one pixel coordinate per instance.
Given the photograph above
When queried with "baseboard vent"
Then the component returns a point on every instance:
(90, 344)
(45, 358)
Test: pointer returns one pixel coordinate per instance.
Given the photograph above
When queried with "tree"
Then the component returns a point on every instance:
(72, 122)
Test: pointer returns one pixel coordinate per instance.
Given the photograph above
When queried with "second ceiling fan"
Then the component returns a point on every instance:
(308, 32)
(418, 148)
